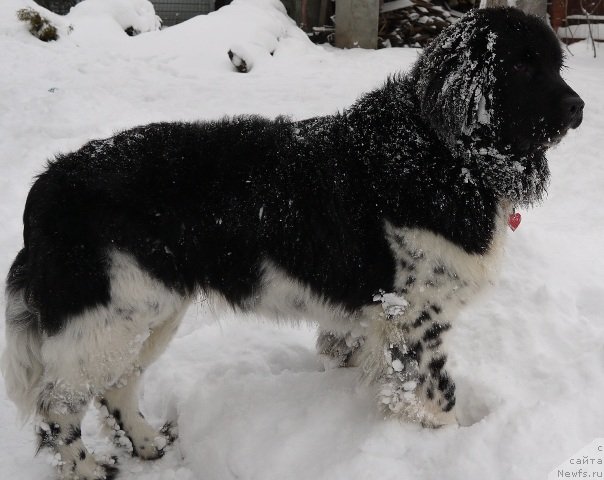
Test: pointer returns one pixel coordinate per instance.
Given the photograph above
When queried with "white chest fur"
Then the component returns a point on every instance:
(431, 270)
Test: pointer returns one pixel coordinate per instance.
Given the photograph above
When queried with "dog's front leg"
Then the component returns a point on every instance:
(404, 357)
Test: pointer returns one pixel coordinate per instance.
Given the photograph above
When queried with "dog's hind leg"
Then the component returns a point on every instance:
(61, 407)
(120, 406)
(98, 351)
(48, 386)
(80, 362)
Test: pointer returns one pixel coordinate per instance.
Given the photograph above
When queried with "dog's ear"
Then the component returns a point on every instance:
(454, 79)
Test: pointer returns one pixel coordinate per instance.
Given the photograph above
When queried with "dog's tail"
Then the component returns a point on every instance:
(21, 361)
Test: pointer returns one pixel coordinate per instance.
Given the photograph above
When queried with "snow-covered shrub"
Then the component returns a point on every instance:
(133, 16)
(39, 26)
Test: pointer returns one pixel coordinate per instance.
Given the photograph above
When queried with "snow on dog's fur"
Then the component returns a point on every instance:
(379, 223)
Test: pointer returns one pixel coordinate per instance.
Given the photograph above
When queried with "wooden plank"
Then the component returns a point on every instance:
(323, 12)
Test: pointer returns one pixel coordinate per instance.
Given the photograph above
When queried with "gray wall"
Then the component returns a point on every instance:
(175, 11)
(357, 23)
(58, 6)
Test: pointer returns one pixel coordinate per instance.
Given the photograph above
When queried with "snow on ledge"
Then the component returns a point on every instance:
(138, 14)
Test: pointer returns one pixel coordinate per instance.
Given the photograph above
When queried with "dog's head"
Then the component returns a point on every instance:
(495, 76)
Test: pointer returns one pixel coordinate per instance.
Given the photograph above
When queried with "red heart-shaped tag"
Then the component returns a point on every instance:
(514, 220)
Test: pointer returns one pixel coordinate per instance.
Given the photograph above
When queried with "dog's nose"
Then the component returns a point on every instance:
(573, 108)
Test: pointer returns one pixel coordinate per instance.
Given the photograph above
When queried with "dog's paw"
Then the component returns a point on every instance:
(135, 435)
(88, 468)
(170, 431)
(153, 446)
(107, 471)
(439, 419)
(406, 403)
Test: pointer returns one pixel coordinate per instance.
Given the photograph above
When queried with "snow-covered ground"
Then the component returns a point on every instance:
(252, 400)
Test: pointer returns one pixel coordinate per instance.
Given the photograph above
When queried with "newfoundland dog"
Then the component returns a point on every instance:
(378, 223)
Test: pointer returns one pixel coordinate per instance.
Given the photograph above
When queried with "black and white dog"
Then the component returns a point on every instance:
(378, 223)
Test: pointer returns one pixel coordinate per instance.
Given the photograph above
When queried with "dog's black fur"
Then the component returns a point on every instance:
(204, 205)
